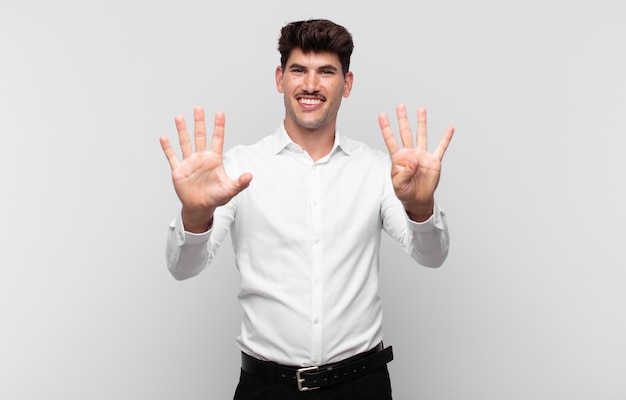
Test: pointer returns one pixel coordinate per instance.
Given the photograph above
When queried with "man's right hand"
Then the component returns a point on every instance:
(200, 180)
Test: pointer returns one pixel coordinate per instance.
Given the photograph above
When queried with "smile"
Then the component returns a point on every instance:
(310, 101)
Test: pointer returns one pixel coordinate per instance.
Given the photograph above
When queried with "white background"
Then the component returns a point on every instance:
(531, 302)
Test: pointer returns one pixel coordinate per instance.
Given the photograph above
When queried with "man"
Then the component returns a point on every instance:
(306, 229)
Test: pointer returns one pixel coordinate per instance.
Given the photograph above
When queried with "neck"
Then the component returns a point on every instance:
(317, 142)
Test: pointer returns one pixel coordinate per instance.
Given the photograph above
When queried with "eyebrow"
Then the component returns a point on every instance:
(327, 66)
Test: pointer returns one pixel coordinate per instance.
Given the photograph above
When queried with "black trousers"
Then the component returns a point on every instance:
(373, 386)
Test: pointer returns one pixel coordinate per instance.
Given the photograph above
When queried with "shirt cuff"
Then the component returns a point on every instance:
(434, 222)
(190, 238)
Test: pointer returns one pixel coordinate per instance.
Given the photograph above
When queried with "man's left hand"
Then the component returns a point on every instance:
(414, 171)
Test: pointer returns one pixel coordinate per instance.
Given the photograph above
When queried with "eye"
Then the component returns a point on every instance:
(327, 72)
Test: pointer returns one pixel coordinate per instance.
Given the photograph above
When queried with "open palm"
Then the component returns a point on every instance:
(200, 180)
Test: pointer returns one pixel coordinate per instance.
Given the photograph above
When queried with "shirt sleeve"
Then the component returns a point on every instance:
(426, 242)
(186, 253)
(429, 241)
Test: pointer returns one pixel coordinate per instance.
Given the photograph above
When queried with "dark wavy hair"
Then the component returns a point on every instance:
(317, 35)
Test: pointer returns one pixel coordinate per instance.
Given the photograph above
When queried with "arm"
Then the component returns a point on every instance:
(426, 242)
(415, 175)
(202, 185)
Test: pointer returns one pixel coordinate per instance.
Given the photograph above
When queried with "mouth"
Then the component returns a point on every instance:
(310, 101)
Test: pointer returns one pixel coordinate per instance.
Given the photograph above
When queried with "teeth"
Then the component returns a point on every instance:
(310, 101)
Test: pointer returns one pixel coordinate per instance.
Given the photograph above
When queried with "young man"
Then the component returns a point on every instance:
(306, 230)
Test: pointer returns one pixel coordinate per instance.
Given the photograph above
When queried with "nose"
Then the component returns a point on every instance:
(311, 82)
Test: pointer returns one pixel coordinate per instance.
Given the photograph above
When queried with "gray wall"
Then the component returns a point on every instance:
(531, 302)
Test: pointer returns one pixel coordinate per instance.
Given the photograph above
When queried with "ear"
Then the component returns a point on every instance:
(349, 78)
(279, 79)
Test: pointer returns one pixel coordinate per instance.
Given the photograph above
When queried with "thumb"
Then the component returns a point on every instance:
(243, 181)
(406, 174)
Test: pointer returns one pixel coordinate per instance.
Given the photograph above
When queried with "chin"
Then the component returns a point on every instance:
(311, 125)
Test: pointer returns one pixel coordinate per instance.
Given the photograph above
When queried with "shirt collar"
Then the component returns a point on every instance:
(282, 140)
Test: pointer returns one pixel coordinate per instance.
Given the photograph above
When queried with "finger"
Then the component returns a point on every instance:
(217, 141)
(183, 136)
(240, 184)
(388, 136)
(443, 143)
(170, 154)
(405, 128)
(199, 129)
(404, 175)
(244, 181)
(422, 134)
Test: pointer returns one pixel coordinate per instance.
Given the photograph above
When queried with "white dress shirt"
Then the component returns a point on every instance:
(306, 237)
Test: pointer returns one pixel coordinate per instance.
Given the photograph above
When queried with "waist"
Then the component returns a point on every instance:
(314, 377)
(265, 336)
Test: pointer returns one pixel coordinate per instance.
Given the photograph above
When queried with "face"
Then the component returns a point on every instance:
(313, 86)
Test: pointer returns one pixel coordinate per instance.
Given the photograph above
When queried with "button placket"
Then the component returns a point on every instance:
(316, 286)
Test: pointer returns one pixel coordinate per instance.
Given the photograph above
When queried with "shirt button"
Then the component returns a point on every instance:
(316, 321)
(316, 240)
(316, 282)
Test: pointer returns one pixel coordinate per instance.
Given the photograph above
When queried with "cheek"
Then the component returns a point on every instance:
(287, 86)
(341, 90)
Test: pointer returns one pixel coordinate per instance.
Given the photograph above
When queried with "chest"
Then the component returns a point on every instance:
(294, 195)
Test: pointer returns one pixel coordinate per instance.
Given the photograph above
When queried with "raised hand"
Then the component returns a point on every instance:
(414, 171)
(199, 179)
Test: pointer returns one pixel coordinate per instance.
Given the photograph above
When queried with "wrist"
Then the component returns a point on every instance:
(197, 221)
(419, 212)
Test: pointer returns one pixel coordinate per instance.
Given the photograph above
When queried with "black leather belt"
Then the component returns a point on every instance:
(310, 378)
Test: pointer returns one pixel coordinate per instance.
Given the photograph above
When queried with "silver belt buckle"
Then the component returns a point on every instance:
(300, 380)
